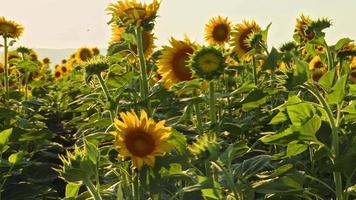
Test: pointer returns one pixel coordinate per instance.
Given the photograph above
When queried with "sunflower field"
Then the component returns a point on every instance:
(230, 119)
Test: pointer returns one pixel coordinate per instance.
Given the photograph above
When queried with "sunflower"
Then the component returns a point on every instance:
(141, 139)
(10, 28)
(57, 74)
(83, 54)
(173, 64)
(46, 61)
(63, 68)
(132, 12)
(116, 34)
(317, 67)
(95, 51)
(208, 63)
(217, 31)
(301, 28)
(240, 36)
(1, 68)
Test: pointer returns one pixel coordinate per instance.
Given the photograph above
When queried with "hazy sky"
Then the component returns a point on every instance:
(75, 23)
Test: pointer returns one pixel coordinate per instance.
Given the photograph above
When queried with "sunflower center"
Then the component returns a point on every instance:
(318, 65)
(180, 63)
(85, 54)
(7, 28)
(242, 42)
(140, 143)
(57, 74)
(221, 33)
(209, 62)
(64, 69)
(353, 74)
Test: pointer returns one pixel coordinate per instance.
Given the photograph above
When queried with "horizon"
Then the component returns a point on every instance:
(89, 28)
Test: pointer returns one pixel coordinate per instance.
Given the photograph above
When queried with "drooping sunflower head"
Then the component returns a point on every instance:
(317, 67)
(83, 54)
(208, 63)
(141, 139)
(217, 31)
(96, 65)
(10, 28)
(241, 35)
(301, 28)
(173, 64)
(131, 12)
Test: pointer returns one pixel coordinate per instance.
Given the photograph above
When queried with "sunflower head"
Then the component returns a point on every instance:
(131, 12)
(206, 146)
(95, 51)
(33, 55)
(63, 68)
(317, 67)
(46, 61)
(10, 28)
(217, 31)
(141, 139)
(1, 68)
(241, 36)
(95, 66)
(301, 28)
(83, 54)
(173, 64)
(57, 74)
(208, 63)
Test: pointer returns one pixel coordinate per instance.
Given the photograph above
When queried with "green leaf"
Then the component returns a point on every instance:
(282, 138)
(300, 113)
(338, 91)
(251, 166)
(308, 130)
(178, 140)
(28, 65)
(300, 74)
(327, 79)
(72, 189)
(352, 89)
(279, 118)
(245, 87)
(254, 100)
(272, 59)
(295, 148)
(289, 183)
(16, 157)
(4, 137)
(92, 152)
(341, 43)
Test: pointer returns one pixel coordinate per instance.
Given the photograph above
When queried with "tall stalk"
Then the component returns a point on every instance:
(254, 70)
(212, 103)
(143, 76)
(6, 71)
(107, 94)
(335, 138)
(92, 190)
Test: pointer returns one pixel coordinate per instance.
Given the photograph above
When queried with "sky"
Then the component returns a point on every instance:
(75, 23)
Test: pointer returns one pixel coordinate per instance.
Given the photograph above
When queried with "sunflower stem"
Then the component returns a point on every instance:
(198, 114)
(143, 81)
(212, 103)
(92, 190)
(6, 72)
(106, 93)
(136, 192)
(329, 56)
(335, 137)
(254, 70)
